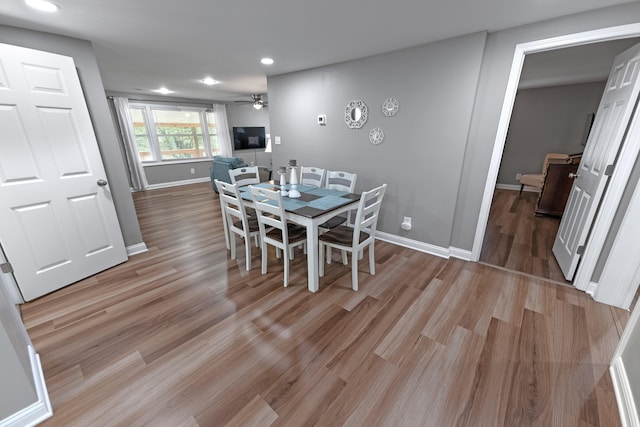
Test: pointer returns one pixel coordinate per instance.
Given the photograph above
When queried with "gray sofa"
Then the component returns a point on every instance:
(221, 166)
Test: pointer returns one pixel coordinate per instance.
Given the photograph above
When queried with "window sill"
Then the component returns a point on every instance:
(173, 162)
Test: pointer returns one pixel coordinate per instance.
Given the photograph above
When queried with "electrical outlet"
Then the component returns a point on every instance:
(518, 175)
(193, 170)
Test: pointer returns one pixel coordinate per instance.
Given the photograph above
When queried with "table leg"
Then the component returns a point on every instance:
(312, 257)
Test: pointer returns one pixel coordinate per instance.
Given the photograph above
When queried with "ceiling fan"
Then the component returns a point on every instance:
(257, 101)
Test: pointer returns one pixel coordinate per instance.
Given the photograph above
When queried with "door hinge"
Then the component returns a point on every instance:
(580, 250)
(5, 267)
(608, 170)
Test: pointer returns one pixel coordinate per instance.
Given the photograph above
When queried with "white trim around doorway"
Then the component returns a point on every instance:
(601, 225)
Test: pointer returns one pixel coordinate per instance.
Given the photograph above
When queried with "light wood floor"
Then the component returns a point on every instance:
(183, 336)
(517, 239)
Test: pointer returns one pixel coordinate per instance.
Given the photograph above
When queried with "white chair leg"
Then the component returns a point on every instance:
(372, 260)
(321, 259)
(278, 253)
(264, 258)
(354, 271)
(257, 241)
(247, 250)
(344, 257)
(232, 243)
(329, 255)
(286, 271)
(226, 229)
(291, 253)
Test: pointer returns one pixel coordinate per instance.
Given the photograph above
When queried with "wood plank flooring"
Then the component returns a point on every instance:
(516, 239)
(183, 336)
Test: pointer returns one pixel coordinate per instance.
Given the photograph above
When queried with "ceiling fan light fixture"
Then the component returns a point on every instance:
(258, 105)
(42, 5)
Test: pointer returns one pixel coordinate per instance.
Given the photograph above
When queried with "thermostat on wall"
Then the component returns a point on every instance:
(322, 119)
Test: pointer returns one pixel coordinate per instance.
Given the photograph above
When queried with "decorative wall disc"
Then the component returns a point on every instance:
(390, 107)
(376, 136)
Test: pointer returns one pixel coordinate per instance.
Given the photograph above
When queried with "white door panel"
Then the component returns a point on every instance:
(58, 225)
(609, 128)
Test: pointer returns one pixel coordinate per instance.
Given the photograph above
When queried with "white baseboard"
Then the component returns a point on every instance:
(624, 396)
(177, 183)
(516, 187)
(136, 249)
(591, 288)
(40, 410)
(413, 244)
(460, 253)
(424, 247)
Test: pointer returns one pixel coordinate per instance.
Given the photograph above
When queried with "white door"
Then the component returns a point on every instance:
(57, 220)
(609, 128)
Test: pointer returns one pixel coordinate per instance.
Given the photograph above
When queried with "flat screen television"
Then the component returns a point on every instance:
(249, 138)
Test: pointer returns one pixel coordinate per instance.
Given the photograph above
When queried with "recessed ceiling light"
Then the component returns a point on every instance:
(163, 90)
(209, 81)
(43, 5)
(267, 61)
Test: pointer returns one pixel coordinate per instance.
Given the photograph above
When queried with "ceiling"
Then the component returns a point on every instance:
(142, 45)
(579, 64)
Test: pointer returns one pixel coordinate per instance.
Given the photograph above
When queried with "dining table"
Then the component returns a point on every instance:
(315, 206)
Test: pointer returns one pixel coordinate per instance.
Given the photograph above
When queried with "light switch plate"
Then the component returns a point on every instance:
(277, 139)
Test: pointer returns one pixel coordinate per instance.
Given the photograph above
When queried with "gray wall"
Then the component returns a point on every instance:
(436, 155)
(17, 387)
(438, 147)
(422, 153)
(245, 115)
(174, 172)
(546, 120)
(632, 361)
(82, 53)
(494, 75)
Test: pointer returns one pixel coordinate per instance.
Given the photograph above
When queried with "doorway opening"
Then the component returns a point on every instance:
(484, 233)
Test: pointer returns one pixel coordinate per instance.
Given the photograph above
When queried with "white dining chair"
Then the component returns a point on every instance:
(274, 228)
(312, 176)
(340, 181)
(236, 219)
(355, 239)
(245, 176)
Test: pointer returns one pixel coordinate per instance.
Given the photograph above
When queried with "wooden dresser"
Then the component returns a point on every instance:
(557, 186)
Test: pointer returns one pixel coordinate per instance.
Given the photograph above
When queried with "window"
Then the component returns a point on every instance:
(165, 133)
(142, 135)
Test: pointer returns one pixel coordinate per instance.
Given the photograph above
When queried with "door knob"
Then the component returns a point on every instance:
(574, 175)
(102, 182)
